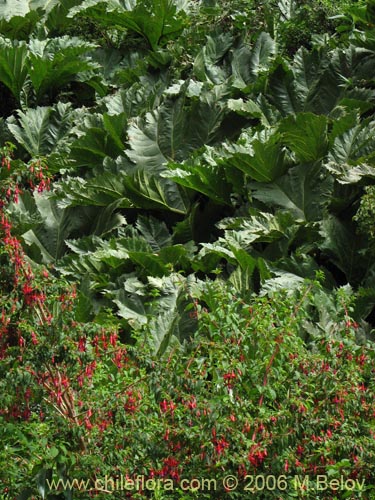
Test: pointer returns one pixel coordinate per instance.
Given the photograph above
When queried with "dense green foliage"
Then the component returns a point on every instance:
(187, 244)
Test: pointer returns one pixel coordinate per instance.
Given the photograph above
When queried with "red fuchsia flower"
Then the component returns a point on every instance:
(164, 406)
(192, 404)
(170, 468)
(113, 339)
(247, 428)
(338, 400)
(88, 424)
(34, 339)
(102, 426)
(256, 455)
(315, 438)
(32, 296)
(5, 162)
(220, 445)
(90, 368)
(131, 403)
(261, 428)
(229, 379)
(44, 185)
(175, 446)
(15, 413)
(26, 414)
(95, 344)
(104, 341)
(353, 324)
(361, 359)
(167, 406)
(82, 344)
(242, 471)
(120, 358)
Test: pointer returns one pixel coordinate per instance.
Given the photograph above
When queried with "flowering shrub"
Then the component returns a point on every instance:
(263, 389)
(246, 397)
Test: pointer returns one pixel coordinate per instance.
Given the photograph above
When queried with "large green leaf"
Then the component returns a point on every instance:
(174, 326)
(305, 191)
(136, 100)
(343, 248)
(245, 65)
(263, 227)
(49, 226)
(168, 322)
(14, 8)
(174, 130)
(305, 85)
(246, 108)
(282, 91)
(121, 181)
(19, 27)
(354, 63)
(104, 190)
(306, 135)
(354, 145)
(156, 20)
(54, 62)
(44, 130)
(13, 68)
(201, 176)
(155, 232)
(208, 65)
(347, 174)
(19, 18)
(153, 191)
(54, 12)
(99, 136)
(248, 64)
(261, 156)
(49, 64)
(57, 225)
(315, 85)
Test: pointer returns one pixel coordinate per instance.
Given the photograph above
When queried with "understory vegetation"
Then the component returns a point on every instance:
(187, 249)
